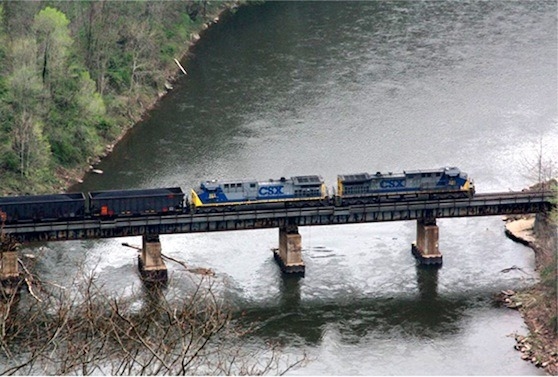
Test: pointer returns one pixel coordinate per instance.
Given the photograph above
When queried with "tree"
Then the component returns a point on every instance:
(539, 168)
(88, 331)
(74, 107)
(53, 43)
(5, 147)
(26, 90)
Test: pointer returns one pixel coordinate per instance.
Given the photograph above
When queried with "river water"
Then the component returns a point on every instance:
(290, 88)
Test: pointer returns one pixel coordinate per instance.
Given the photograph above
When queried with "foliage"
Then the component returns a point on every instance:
(74, 75)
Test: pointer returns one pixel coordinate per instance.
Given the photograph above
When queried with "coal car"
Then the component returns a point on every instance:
(116, 203)
(42, 207)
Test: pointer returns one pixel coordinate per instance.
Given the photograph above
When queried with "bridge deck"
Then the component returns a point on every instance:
(490, 204)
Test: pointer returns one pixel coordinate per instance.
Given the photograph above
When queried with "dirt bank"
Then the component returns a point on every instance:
(538, 304)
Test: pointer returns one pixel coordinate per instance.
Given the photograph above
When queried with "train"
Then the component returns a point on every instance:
(226, 195)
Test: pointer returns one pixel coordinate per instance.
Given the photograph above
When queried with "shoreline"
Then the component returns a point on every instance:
(540, 346)
(70, 178)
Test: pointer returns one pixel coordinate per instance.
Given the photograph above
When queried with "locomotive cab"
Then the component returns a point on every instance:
(460, 179)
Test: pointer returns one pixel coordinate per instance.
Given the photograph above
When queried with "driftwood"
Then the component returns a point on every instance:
(514, 267)
(28, 280)
(132, 246)
(196, 270)
(180, 66)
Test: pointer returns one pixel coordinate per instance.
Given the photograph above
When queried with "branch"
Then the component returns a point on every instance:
(28, 278)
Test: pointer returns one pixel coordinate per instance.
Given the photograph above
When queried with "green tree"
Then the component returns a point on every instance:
(25, 89)
(5, 145)
(74, 107)
(53, 43)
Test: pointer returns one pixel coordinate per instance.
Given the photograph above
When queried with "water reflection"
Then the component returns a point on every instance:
(290, 293)
(424, 316)
(427, 281)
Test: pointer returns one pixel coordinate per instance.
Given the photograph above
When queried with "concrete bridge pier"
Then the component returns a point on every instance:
(9, 273)
(151, 266)
(289, 254)
(425, 249)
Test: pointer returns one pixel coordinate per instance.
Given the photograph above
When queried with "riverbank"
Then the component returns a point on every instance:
(69, 177)
(538, 304)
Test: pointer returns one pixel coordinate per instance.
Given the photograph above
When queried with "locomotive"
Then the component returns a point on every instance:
(226, 195)
(443, 183)
(307, 189)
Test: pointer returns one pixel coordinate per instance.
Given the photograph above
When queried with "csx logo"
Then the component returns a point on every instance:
(271, 190)
(392, 183)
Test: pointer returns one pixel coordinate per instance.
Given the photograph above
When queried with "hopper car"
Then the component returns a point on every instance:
(104, 204)
(116, 203)
(42, 207)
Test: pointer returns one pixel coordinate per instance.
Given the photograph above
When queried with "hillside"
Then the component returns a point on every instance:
(74, 76)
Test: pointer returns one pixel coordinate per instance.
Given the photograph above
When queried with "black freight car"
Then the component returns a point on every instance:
(43, 207)
(116, 203)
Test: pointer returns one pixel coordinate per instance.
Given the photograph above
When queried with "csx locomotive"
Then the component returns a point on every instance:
(225, 195)
(448, 182)
(307, 189)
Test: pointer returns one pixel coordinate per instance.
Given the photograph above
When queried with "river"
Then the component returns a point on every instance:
(291, 88)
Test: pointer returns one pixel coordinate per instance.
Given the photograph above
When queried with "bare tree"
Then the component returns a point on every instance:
(86, 330)
(539, 168)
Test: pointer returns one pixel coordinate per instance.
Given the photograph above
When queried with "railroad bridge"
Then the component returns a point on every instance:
(288, 255)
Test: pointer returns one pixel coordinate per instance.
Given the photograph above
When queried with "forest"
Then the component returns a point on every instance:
(74, 75)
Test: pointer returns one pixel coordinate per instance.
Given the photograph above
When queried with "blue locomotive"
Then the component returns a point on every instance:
(447, 182)
(301, 190)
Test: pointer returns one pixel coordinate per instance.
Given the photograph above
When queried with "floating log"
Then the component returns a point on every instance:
(180, 66)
